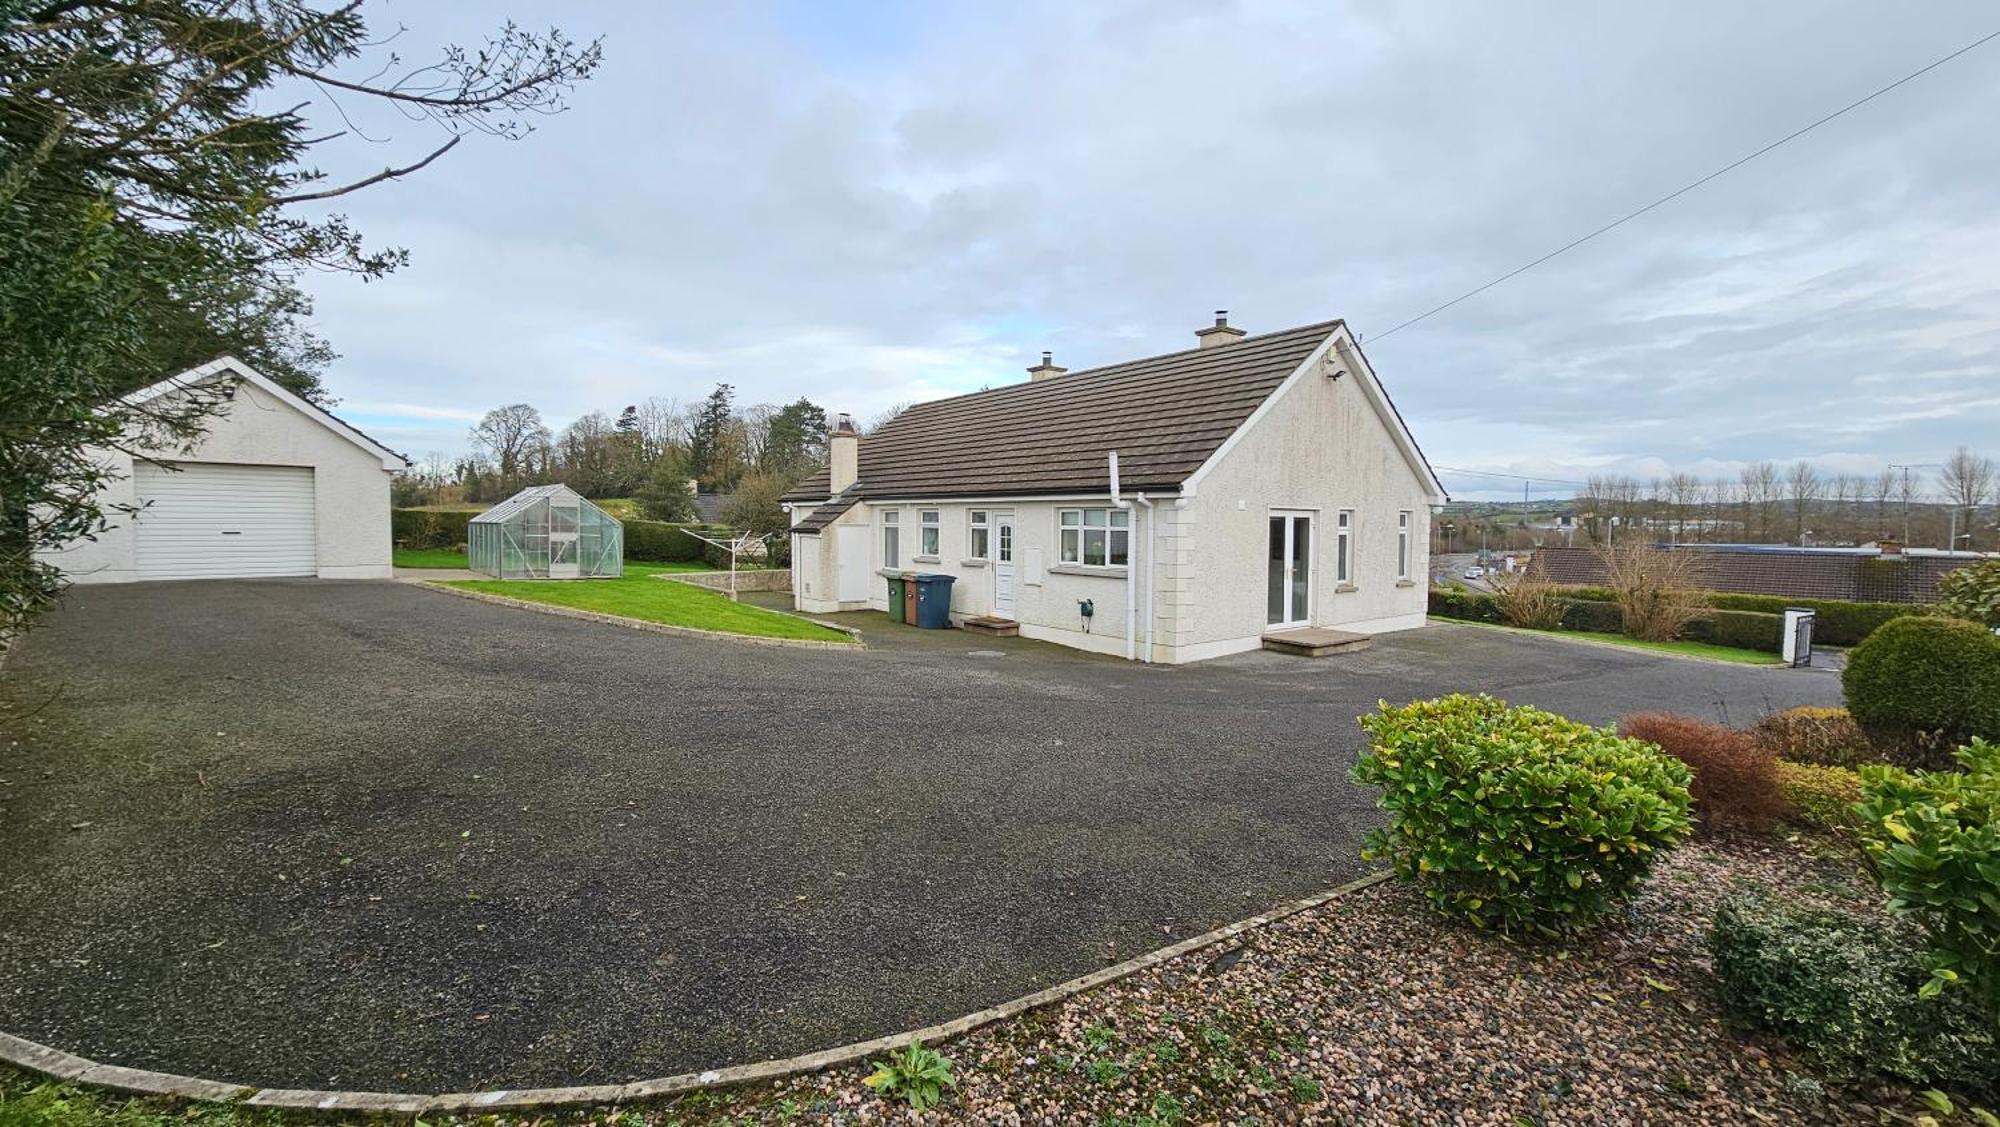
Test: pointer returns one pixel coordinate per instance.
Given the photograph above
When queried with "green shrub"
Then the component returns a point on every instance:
(1972, 593)
(1589, 594)
(1828, 737)
(1819, 796)
(1515, 818)
(1934, 837)
(1847, 990)
(429, 528)
(1926, 676)
(1744, 630)
(1836, 622)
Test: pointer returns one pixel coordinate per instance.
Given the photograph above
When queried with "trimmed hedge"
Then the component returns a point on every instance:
(1917, 675)
(1744, 630)
(1835, 622)
(657, 541)
(1821, 797)
(428, 528)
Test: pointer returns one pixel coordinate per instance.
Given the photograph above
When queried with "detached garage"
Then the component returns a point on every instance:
(274, 487)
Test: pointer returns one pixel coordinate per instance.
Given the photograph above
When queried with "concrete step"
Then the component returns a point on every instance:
(1315, 642)
(995, 627)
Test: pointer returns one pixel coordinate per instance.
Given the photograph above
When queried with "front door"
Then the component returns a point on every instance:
(562, 542)
(1003, 565)
(1289, 551)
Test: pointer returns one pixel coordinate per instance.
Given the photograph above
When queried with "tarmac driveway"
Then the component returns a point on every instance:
(366, 835)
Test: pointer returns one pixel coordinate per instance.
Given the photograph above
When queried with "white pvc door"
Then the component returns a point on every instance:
(1004, 576)
(205, 520)
(851, 542)
(1288, 592)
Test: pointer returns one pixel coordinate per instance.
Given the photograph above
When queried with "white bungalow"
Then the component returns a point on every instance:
(1170, 509)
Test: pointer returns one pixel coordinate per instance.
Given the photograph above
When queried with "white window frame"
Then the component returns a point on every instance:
(892, 538)
(1403, 524)
(1074, 527)
(929, 535)
(1343, 548)
(979, 534)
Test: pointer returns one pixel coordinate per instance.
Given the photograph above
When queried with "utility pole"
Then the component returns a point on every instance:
(1906, 491)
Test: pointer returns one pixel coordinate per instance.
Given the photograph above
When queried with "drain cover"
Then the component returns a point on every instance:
(985, 653)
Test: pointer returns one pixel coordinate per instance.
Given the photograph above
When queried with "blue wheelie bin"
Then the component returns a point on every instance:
(934, 601)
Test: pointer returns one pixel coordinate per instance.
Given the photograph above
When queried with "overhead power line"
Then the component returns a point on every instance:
(1508, 476)
(1685, 189)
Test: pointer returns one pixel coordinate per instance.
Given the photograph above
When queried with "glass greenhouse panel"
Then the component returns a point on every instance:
(546, 532)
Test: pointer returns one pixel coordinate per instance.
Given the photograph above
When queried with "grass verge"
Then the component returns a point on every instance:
(1702, 650)
(640, 596)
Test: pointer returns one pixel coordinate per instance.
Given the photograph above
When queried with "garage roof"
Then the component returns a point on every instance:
(230, 365)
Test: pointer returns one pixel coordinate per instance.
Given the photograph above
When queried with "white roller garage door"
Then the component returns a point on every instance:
(211, 521)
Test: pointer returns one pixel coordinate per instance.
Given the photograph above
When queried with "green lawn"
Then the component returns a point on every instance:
(639, 595)
(1685, 649)
(428, 557)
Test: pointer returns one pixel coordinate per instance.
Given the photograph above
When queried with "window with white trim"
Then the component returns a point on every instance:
(979, 533)
(892, 555)
(1096, 537)
(1343, 546)
(927, 532)
(1403, 544)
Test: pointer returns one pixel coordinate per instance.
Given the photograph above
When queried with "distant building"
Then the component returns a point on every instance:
(1875, 573)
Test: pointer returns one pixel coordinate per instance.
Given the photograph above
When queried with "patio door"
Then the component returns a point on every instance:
(1289, 582)
(562, 542)
(1003, 565)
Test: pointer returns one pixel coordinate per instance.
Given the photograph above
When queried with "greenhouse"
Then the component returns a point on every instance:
(546, 532)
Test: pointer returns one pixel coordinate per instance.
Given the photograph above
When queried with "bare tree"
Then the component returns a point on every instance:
(512, 437)
(1804, 488)
(1683, 491)
(1965, 480)
(1760, 499)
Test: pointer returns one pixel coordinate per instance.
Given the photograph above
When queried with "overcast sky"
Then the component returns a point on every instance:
(870, 204)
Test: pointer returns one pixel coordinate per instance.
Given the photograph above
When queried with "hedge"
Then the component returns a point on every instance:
(429, 528)
(1744, 630)
(1835, 622)
(656, 541)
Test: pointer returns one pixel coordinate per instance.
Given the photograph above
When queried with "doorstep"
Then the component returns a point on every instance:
(1315, 642)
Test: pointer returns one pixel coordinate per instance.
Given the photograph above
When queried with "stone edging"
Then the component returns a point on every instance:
(32, 1057)
(654, 627)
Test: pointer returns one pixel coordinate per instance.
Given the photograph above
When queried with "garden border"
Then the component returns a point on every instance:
(33, 1057)
(655, 627)
(1583, 638)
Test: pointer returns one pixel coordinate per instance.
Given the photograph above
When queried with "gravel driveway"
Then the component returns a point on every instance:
(371, 836)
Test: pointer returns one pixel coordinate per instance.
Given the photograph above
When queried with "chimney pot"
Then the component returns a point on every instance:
(1220, 333)
(1047, 369)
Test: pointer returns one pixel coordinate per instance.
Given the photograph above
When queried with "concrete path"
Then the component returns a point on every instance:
(366, 835)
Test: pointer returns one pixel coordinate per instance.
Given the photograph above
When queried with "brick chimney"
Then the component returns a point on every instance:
(1045, 370)
(843, 453)
(1220, 333)
(1889, 547)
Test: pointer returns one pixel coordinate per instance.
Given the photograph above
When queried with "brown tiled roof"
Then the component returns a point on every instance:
(1164, 415)
(825, 513)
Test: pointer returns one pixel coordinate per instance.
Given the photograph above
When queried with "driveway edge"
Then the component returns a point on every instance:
(652, 627)
(32, 1057)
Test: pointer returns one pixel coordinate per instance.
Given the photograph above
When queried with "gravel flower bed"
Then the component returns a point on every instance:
(1375, 1010)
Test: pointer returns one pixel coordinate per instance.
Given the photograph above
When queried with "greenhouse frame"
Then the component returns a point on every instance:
(546, 532)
